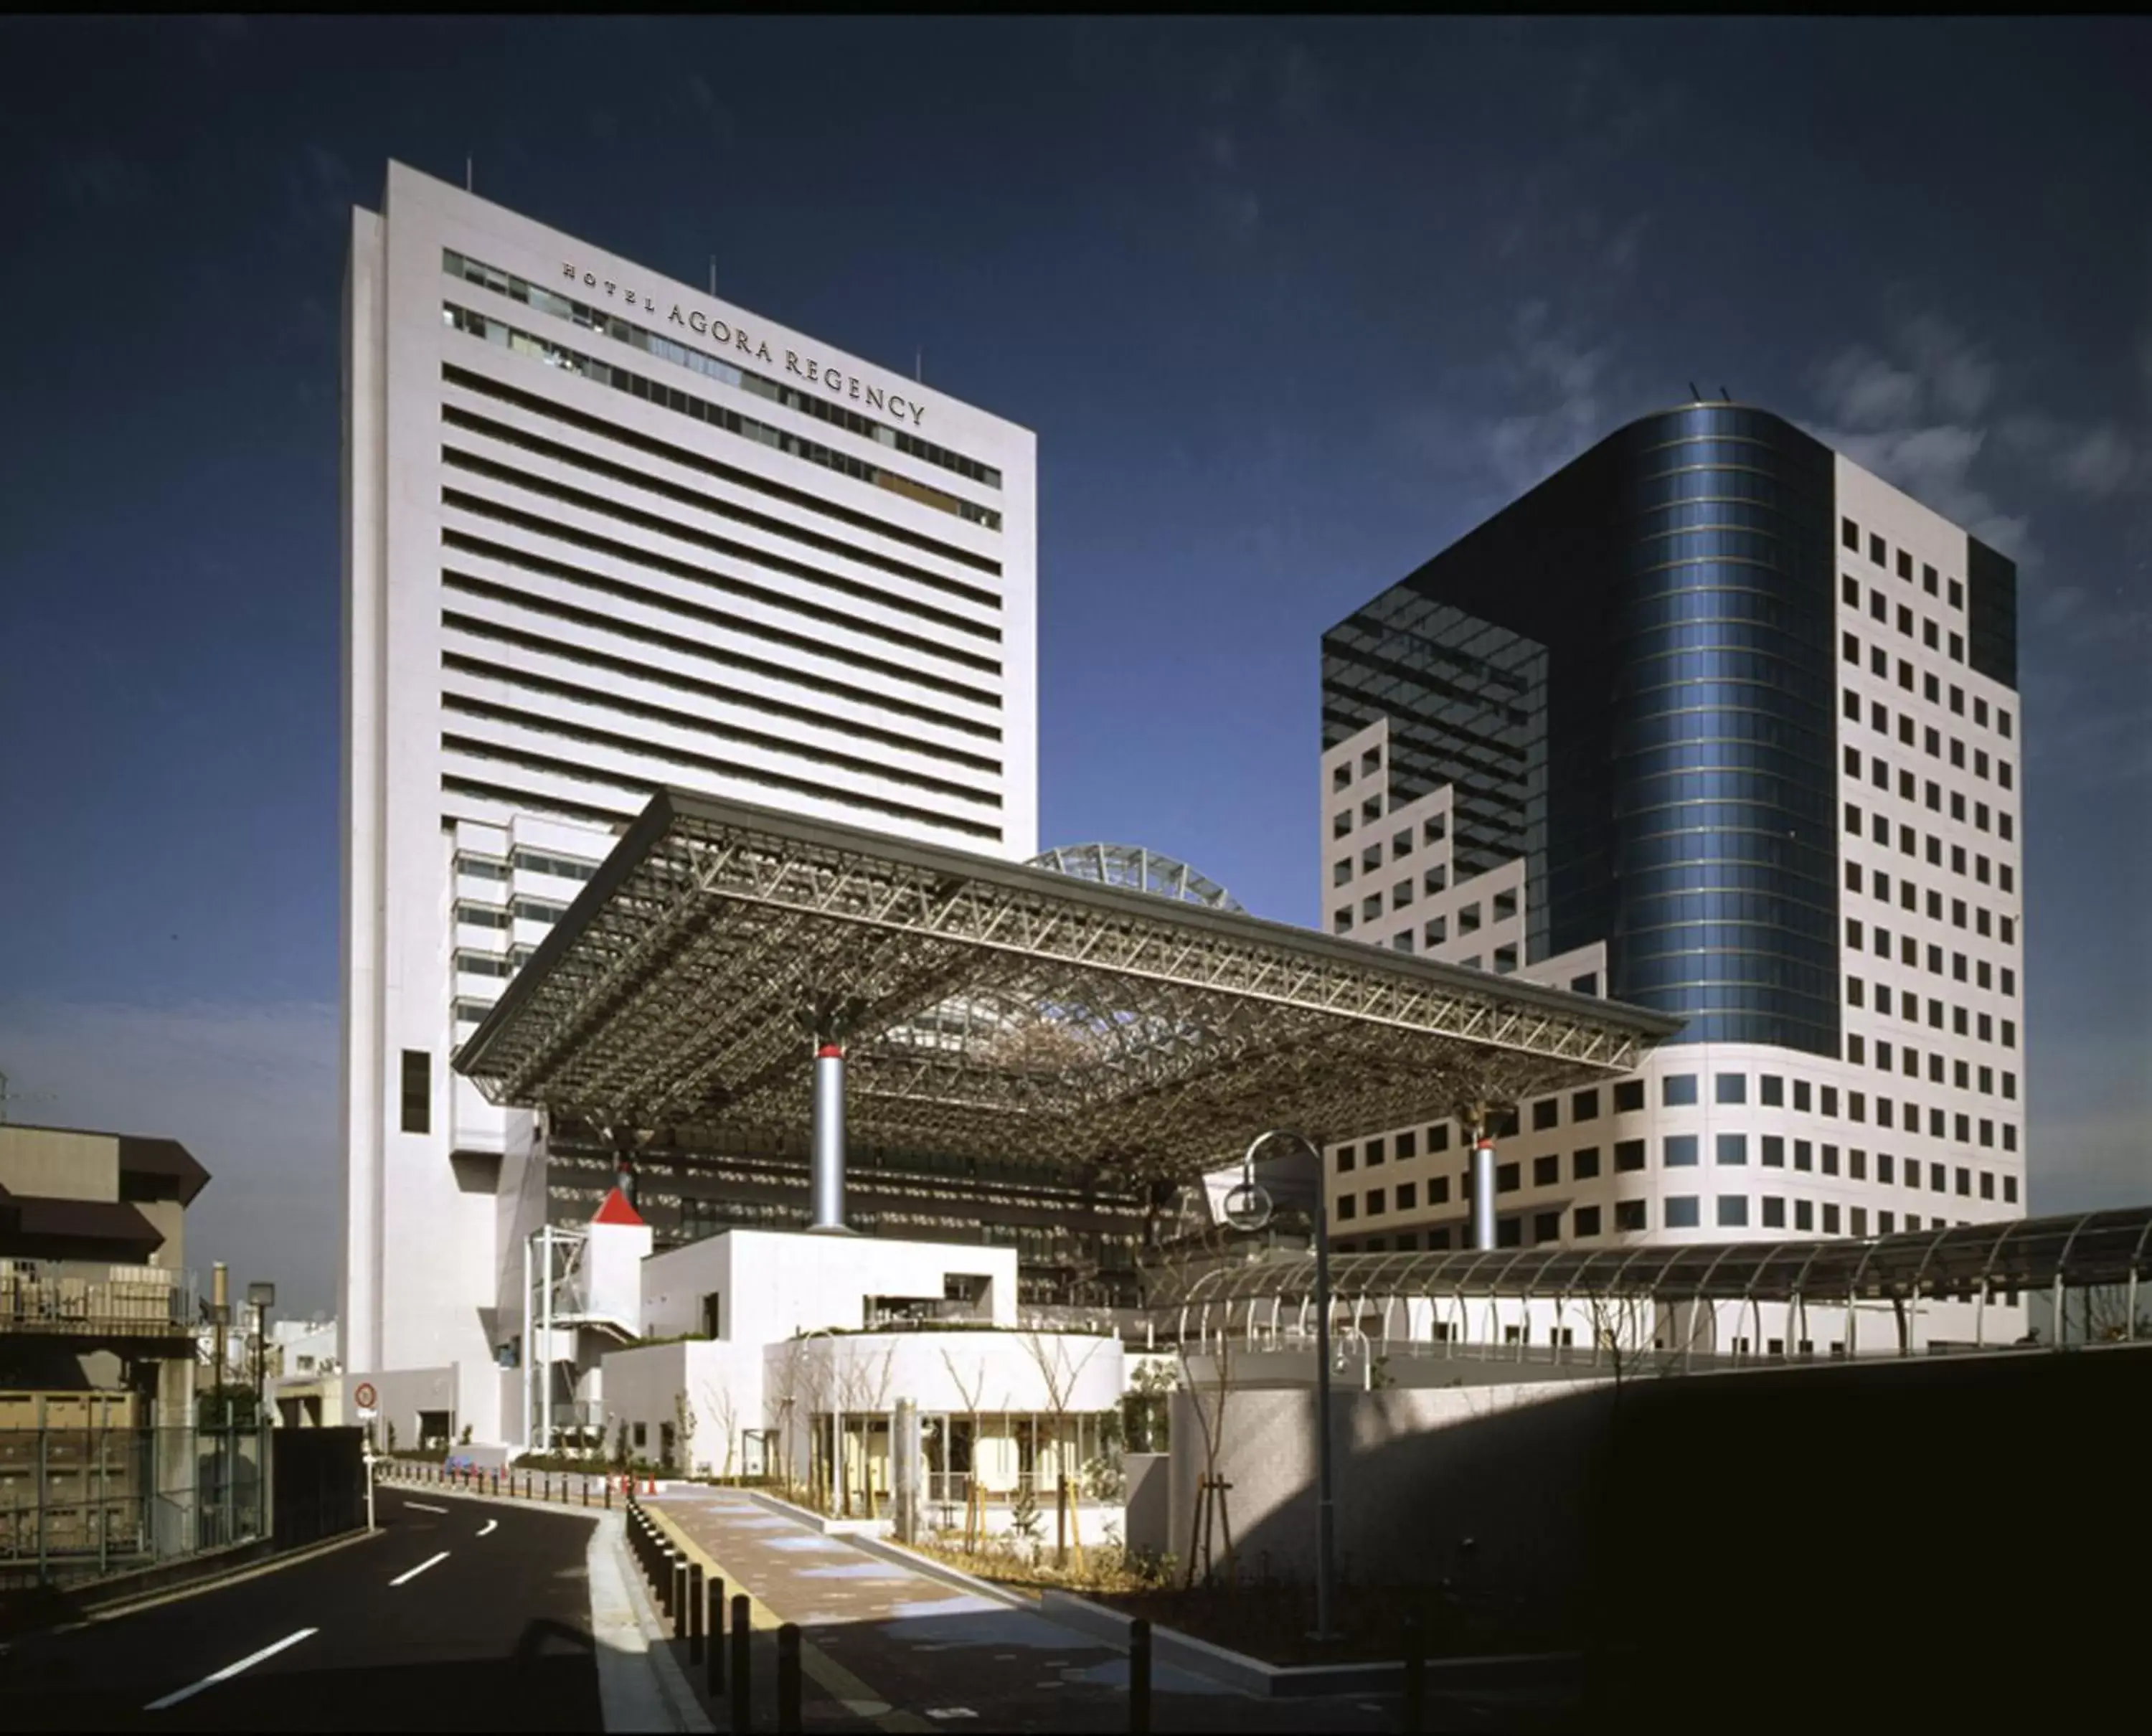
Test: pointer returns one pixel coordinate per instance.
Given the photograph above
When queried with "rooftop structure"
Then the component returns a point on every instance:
(1137, 869)
(993, 1009)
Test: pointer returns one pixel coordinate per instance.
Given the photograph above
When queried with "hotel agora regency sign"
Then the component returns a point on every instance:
(834, 381)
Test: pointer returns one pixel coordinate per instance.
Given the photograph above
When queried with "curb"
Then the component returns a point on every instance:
(214, 1582)
(930, 1568)
(682, 1706)
(1252, 1677)
(853, 1528)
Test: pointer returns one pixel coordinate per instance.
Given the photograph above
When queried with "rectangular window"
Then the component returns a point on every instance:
(1348, 1208)
(1375, 1197)
(1468, 919)
(1407, 1144)
(1733, 1211)
(2009, 1187)
(1629, 1155)
(1677, 1151)
(1584, 1221)
(1886, 1167)
(1829, 1217)
(1733, 1087)
(1830, 1160)
(1546, 1226)
(1546, 1113)
(1347, 1156)
(1408, 1196)
(1678, 1089)
(1829, 1095)
(1733, 1148)
(1801, 1096)
(1508, 1178)
(1628, 1096)
(1630, 1214)
(418, 1091)
(1683, 1212)
(1804, 1215)
(1774, 1212)
(1585, 1163)
(1879, 663)
(1546, 1171)
(1374, 1153)
(1771, 1091)
(1848, 533)
(1584, 1106)
(1905, 565)
(1875, 552)
(1804, 1154)
(1849, 648)
(1774, 1151)
(1438, 1137)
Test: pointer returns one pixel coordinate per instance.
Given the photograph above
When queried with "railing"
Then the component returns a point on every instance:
(142, 1303)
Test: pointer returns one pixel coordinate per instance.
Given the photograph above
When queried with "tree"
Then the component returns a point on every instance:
(970, 1391)
(720, 1399)
(862, 1386)
(1211, 1423)
(786, 1394)
(1049, 1351)
(1146, 1407)
(683, 1432)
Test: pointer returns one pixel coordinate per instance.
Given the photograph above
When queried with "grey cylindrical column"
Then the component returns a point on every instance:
(828, 1211)
(1483, 1190)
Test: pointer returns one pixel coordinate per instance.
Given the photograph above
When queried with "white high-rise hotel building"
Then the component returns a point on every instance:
(604, 533)
(1717, 723)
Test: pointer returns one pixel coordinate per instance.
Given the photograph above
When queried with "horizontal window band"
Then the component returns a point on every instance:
(742, 551)
(470, 585)
(547, 352)
(569, 417)
(453, 538)
(723, 733)
(702, 502)
(771, 780)
(587, 316)
(525, 801)
(579, 653)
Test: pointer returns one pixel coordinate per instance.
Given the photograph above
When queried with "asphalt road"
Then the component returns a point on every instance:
(474, 1617)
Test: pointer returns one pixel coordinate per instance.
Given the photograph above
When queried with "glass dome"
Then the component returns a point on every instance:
(1137, 869)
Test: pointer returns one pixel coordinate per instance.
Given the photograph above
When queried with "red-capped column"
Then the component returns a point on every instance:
(1483, 1188)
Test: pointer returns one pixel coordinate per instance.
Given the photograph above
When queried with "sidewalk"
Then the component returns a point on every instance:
(889, 1647)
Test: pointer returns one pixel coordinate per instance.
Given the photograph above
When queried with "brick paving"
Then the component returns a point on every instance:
(887, 1646)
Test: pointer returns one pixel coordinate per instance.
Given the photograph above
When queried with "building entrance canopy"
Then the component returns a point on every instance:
(990, 1009)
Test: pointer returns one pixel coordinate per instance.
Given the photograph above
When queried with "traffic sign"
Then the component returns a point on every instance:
(363, 1395)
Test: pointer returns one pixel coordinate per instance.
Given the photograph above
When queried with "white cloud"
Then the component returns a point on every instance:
(251, 1091)
(1862, 390)
(2098, 464)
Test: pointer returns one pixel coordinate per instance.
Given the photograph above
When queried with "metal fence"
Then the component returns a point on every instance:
(80, 1504)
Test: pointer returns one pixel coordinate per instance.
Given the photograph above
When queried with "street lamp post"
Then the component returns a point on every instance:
(261, 1298)
(1248, 1207)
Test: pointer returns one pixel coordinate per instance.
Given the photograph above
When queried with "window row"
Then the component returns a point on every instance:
(2000, 875)
(1681, 1211)
(1962, 1074)
(718, 367)
(1930, 688)
(713, 415)
(1932, 739)
(1849, 533)
(1877, 825)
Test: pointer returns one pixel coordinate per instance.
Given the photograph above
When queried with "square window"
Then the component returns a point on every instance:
(1677, 1091)
(1733, 1211)
(1733, 1148)
(1629, 1155)
(1468, 919)
(1508, 1178)
(1629, 1215)
(1584, 1164)
(1733, 1087)
(1546, 1171)
(1401, 844)
(1374, 1153)
(1774, 1212)
(1407, 1144)
(1584, 1221)
(1438, 1137)
(1347, 1156)
(1348, 1208)
(1437, 1190)
(1771, 1091)
(1628, 1095)
(1375, 1201)
(1677, 1150)
(1339, 777)
(1584, 1106)
(1932, 689)
(1546, 1226)
(1341, 871)
(1683, 1212)
(1774, 1151)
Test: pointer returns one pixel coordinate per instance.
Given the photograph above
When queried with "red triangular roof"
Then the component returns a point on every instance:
(616, 1211)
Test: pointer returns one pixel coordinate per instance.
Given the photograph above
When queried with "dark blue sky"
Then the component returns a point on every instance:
(1290, 304)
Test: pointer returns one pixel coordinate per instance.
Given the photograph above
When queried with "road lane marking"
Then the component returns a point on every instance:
(430, 1561)
(487, 1529)
(231, 1670)
(423, 1507)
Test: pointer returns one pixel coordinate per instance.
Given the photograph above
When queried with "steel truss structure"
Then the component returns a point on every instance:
(993, 1009)
(2089, 1252)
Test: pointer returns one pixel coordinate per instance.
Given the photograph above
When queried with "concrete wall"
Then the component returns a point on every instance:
(1149, 1502)
(54, 1164)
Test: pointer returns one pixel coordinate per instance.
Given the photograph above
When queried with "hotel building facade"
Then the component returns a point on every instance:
(1716, 722)
(603, 534)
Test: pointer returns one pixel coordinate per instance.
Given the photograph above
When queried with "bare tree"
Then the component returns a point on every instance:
(1210, 1424)
(862, 1389)
(786, 1394)
(970, 1391)
(1049, 1351)
(726, 1410)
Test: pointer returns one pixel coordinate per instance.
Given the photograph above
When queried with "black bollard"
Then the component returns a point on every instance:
(1139, 1677)
(1415, 1707)
(586, 1494)
(682, 1617)
(694, 1612)
(742, 1633)
(717, 1638)
(608, 1493)
(787, 1678)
